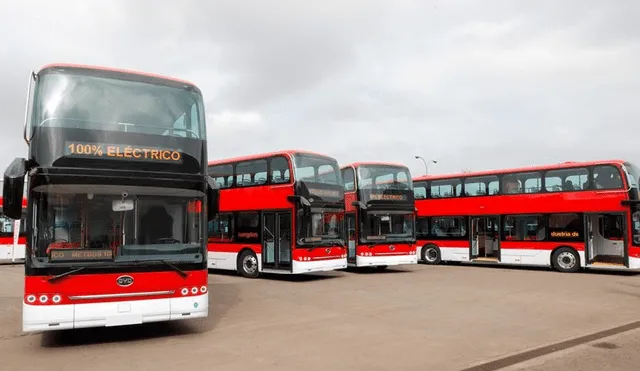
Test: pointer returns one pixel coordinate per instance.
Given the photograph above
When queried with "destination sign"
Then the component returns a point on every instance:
(80, 254)
(122, 152)
(324, 192)
(388, 197)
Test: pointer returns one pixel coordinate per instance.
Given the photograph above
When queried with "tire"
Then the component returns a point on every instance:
(248, 264)
(565, 260)
(430, 254)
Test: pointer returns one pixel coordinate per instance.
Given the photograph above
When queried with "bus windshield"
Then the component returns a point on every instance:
(316, 169)
(388, 226)
(84, 101)
(384, 177)
(96, 224)
(320, 225)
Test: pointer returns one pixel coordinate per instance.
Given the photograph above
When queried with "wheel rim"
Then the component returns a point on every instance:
(566, 260)
(431, 254)
(250, 264)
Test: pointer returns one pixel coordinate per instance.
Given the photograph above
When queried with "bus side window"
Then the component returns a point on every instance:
(220, 228)
(420, 190)
(607, 177)
(279, 170)
(349, 179)
(422, 227)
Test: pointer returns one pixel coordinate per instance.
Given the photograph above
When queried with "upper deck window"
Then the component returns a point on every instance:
(279, 170)
(420, 190)
(445, 188)
(250, 173)
(66, 99)
(530, 182)
(606, 177)
(567, 180)
(349, 179)
(481, 185)
(633, 174)
(222, 175)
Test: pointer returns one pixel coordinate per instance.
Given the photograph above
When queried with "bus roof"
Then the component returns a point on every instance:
(114, 70)
(369, 163)
(288, 152)
(562, 165)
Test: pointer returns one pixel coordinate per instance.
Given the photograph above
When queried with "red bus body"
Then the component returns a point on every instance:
(12, 237)
(569, 216)
(116, 183)
(280, 212)
(380, 214)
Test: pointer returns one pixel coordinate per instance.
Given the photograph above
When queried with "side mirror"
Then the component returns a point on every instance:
(303, 201)
(213, 199)
(13, 188)
(359, 204)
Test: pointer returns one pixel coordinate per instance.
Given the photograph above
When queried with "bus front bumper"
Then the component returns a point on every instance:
(118, 313)
(366, 261)
(318, 265)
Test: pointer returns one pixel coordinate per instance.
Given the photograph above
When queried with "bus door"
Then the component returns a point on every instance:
(276, 240)
(606, 242)
(351, 236)
(485, 241)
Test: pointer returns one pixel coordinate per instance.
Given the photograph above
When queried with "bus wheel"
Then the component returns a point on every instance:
(431, 254)
(248, 264)
(566, 260)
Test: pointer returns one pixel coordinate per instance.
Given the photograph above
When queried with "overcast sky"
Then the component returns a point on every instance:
(474, 84)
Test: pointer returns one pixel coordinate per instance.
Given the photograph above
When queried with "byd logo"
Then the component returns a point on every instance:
(124, 281)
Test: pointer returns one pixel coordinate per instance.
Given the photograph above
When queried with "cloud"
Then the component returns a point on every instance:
(235, 121)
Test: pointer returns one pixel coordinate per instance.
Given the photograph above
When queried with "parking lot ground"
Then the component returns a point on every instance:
(411, 318)
(616, 353)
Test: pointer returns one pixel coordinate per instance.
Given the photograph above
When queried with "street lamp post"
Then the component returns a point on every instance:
(425, 162)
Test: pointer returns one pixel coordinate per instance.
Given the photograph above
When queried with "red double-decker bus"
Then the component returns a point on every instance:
(117, 199)
(280, 212)
(569, 216)
(380, 214)
(13, 236)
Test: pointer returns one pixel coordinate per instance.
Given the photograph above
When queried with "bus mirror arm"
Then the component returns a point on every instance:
(359, 204)
(302, 200)
(13, 188)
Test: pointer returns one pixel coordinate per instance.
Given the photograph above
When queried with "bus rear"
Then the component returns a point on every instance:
(280, 212)
(380, 215)
(117, 199)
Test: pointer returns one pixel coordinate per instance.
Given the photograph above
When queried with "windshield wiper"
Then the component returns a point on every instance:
(178, 270)
(57, 277)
